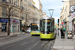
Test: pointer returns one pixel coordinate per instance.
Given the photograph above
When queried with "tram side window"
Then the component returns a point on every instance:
(49, 28)
(40, 25)
(53, 25)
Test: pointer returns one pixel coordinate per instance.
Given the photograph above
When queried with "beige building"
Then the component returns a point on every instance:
(39, 6)
(15, 7)
(22, 13)
(64, 16)
(33, 13)
(68, 17)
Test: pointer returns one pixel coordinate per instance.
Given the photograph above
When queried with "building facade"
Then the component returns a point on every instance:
(64, 16)
(12, 8)
(22, 13)
(68, 15)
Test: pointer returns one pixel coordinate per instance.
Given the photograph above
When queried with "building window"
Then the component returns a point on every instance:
(4, 11)
(9, 1)
(3, 0)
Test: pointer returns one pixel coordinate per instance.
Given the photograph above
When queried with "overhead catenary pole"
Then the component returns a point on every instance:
(26, 15)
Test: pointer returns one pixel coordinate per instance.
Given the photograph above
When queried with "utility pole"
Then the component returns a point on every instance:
(33, 19)
(26, 15)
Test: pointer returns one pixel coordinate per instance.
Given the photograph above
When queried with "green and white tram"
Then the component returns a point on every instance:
(47, 28)
(34, 29)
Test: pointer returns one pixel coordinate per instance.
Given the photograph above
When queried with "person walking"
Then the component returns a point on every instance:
(62, 33)
(23, 31)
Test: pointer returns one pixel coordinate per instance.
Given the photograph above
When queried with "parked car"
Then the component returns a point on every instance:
(28, 30)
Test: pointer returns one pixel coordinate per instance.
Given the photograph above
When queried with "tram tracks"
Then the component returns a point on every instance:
(7, 47)
(40, 45)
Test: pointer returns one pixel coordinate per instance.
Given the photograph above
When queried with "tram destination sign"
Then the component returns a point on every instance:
(34, 24)
(47, 20)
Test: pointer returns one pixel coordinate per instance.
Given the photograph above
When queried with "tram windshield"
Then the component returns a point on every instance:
(34, 27)
(47, 26)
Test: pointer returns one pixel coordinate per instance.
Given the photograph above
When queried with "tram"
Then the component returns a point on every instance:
(34, 29)
(47, 28)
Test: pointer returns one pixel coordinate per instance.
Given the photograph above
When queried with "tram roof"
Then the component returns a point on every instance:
(46, 17)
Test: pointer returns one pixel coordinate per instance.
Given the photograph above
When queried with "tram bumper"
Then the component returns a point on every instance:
(35, 33)
(47, 36)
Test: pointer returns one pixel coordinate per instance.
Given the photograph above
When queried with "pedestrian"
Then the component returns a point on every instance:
(58, 31)
(23, 30)
(62, 33)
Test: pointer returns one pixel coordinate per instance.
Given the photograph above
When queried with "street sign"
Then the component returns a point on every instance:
(13, 20)
(73, 14)
(62, 23)
(3, 20)
(72, 8)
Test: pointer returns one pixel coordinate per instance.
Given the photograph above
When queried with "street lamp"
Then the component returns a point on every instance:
(51, 13)
(65, 1)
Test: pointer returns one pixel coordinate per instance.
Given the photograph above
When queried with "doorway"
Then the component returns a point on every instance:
(4, 27)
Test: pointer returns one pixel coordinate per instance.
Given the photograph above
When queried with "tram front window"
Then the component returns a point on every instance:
(47, 28)
(34, 27)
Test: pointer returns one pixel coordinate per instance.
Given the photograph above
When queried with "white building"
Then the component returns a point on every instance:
(37, 3)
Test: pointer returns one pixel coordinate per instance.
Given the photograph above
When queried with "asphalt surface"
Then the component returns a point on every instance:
(30, 43)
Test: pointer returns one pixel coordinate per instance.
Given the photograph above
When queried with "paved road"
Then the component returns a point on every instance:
(30, 43)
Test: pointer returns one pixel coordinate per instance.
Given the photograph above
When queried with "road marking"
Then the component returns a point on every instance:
(34, 45)
(23, 43)
(46, 45)
(42, 44)
(4, 37)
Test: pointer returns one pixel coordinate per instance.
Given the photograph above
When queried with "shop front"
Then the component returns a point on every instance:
(73, 25)
(3, 24)
(15, 25)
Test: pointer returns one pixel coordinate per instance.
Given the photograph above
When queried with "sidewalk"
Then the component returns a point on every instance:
(64, 44)
(4, 34)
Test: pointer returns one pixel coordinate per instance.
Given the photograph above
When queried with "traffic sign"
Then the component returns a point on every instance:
(62, 23)
(13, 20)
(72, 8)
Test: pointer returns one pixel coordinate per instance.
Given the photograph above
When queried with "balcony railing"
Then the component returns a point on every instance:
(4, 2)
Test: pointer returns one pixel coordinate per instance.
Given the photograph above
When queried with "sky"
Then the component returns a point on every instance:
(57, 5)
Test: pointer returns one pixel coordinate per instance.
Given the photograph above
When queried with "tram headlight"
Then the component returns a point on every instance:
(42, 32)
(49, 32)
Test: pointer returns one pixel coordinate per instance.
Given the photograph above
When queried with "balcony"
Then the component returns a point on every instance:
(21, 7)
(4, 2)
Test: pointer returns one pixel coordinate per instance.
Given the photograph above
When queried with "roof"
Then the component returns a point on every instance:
(46, 17)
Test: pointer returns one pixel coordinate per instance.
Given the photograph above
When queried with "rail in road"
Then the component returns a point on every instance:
(30, 43)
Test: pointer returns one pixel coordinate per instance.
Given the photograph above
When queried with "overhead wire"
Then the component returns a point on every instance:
(49, 10)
